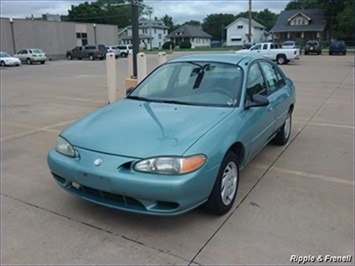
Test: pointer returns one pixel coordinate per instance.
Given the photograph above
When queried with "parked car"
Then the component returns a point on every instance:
(32, 55)
(8, 60)
(179, 139)
(114, 49)
(270, 50)
(125, 50)
(289, 45)
(337, 47)
(313, 47)
(88, 51)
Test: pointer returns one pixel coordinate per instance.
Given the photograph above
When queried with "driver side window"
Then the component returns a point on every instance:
(255, 82)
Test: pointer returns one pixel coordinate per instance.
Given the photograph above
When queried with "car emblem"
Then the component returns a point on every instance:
(98, 162)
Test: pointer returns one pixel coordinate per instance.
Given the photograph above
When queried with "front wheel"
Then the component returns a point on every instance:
(284, 133)
(225, 188)
(29, 61)
(69, 57)
(3, 63)
(91, 57)
(42, 62)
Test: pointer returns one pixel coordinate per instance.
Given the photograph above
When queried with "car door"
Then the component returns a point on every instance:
(259, 121)
(256, 49)
(22, 55)
(278, 91)
(264, 51)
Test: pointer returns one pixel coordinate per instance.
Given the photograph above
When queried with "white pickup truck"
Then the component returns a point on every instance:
(270, 50)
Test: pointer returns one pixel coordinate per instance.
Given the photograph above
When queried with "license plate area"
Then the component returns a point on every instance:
(94, 181)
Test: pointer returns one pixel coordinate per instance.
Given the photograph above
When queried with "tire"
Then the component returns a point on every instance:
(69, 57)
(344, 53)
(2, 63)
(43, 62)
(228, 175)
(306, 53)
(79, 58)
(284, 133)
(29, 61)
(330, 53)
(124, 54)
(281, 59)
(91, 57)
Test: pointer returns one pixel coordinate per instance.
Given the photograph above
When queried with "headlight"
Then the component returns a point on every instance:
(64, 147)
(171, 165)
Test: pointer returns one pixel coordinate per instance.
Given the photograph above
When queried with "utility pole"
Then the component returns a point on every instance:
(135, 35)
(150, 10)
(249, 35)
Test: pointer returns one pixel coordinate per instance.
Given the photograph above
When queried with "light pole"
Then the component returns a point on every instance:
(13, 35)
(94, 26)
(135, 35)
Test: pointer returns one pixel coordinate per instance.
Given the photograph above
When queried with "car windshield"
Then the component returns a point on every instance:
(37, 51)
(2, 54)
(192, 83)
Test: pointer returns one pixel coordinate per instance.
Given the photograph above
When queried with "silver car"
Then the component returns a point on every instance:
(8, 60)
(31, 56)
(114, 49)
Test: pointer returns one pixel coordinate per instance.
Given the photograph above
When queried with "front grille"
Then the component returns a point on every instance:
(106, 197)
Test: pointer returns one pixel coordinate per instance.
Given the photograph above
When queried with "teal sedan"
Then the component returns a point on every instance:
(179, 139)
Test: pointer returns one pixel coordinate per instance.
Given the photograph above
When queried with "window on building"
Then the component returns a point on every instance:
(236, 39)
(82, 38)
(155, 30)
(159, 36)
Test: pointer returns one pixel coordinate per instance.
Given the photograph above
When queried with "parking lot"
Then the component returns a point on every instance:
(292, 200)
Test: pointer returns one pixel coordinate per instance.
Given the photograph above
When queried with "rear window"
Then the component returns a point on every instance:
(37, 51)
(90, 47)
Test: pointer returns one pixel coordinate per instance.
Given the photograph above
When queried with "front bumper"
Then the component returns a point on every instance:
(13, 63)
(114, 185)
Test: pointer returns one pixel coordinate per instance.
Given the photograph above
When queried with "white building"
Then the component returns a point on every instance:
(238, 31)
(152, 34)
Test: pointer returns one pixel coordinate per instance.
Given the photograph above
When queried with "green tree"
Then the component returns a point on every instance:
(193, 22)
(168, 21)
(265, 17)
(302, 4)
(345, 22)
(215, 24)
(87, 12)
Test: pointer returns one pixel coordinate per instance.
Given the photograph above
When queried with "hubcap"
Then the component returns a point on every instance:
(229, 183)
(287, 127)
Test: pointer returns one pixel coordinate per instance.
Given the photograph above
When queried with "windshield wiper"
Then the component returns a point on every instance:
(139, 98)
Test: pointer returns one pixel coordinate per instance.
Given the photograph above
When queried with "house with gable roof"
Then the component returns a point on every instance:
(300, 25)
(194, 34)
(238, 32)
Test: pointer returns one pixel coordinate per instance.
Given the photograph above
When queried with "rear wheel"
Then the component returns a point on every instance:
(91, 57)
(29, 61)
(281, 59)
(69, 57)
(225, 188)
(42, 62)
(284, 133)
(2, 63)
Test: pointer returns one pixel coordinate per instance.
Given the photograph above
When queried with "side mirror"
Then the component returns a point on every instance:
(129, 91)
(256, 101)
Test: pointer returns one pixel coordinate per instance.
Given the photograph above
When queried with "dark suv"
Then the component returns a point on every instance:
(88, 51)
(337, 47)
(313, 47)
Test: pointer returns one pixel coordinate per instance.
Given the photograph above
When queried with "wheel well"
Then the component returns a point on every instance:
(281, 55)
(239, 150)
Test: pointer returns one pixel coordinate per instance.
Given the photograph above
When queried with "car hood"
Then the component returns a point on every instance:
(144, 129)
(12, 59)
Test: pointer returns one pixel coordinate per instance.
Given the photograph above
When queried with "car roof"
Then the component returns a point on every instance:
(220, 58)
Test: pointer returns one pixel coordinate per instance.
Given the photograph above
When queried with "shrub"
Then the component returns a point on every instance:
(166, 45)
(185, 45)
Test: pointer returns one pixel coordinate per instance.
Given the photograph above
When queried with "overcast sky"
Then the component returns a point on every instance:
(181, 10)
